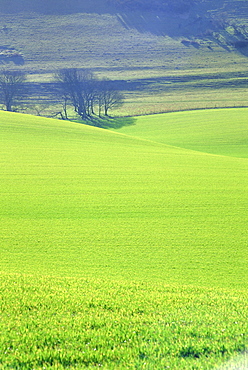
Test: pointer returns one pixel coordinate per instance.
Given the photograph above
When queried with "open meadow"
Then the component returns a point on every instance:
(123, 249)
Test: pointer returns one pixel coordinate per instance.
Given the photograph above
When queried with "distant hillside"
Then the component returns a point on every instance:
(55, 6)
(190, 18)
(72, 6)
(106, 6)
(63, 6)
(165, 55)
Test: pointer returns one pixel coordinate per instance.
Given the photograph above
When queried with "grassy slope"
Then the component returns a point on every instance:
(117, 201)
(218, 131)
(148, 220)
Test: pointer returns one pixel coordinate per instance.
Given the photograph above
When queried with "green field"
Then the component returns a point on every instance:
(220, 131)
(123, 249)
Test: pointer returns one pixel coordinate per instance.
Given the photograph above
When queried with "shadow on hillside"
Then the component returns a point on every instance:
(178, 82)
(198, 22)
(168, 24)
(109, 122)
(243, 50)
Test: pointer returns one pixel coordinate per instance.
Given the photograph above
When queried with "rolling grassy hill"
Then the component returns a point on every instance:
(120, 251)
(107, 194)
(221, 131)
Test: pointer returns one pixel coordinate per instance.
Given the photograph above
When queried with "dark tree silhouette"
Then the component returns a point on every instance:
(76, 85)
(109, 97)
(85, 92)
(11, 88)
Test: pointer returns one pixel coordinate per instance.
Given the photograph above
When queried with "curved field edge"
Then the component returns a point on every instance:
(59, 323)
(216, 131)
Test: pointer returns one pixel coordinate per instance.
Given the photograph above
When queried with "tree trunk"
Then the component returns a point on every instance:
(65, 108)
(8, 107)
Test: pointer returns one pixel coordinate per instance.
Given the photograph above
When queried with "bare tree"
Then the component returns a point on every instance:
(85, 93)
(90, 93)
(64, 113)
(11, 87)
(76, 85)
(109, 97)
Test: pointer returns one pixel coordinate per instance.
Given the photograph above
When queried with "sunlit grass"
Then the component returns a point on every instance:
(123, 206)
(121, 251)
(220, 131)
(51, 323)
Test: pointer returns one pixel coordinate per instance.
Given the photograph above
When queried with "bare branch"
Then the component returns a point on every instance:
(11, 87)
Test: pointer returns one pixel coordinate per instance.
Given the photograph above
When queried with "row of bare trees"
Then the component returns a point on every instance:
(75, 88)
(87, 94)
